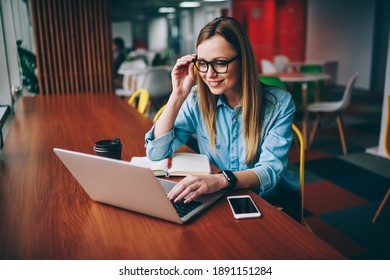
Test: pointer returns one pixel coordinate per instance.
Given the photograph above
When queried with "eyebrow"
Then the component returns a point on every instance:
(214, 59)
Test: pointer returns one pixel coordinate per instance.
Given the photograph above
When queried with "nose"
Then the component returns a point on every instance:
(211, 72)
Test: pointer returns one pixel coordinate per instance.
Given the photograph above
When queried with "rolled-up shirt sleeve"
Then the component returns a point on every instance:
(165, 145)
(275, 146)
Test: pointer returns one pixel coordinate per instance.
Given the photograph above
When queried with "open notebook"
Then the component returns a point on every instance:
(180, 164)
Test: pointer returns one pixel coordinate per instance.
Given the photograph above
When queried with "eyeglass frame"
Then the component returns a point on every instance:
(214, 61)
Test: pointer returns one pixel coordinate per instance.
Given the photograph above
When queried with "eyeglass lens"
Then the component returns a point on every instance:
(218, 66)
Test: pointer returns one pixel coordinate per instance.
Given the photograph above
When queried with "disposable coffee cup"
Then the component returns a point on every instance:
(111, 148)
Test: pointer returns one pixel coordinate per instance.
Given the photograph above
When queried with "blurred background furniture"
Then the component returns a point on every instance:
(301, 142)
(157, 80)
(159, 112)
(267, 67)
(310, 68)
(281, 63)
(387, 151)
(143, 54)
(315, 89)
(140, 97)
(383, 203)
(335, 108)
(272, 81)
(131, 70)
(296, 65)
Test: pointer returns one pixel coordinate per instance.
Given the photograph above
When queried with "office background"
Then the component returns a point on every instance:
(355, 33)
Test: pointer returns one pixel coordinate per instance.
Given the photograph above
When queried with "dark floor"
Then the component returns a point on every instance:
(342, 193)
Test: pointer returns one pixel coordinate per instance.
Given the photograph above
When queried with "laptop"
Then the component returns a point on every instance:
(130, 187)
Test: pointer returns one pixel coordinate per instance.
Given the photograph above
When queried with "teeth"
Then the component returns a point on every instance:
(214, 83)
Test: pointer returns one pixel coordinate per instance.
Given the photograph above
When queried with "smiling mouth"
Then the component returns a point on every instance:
(214, 83)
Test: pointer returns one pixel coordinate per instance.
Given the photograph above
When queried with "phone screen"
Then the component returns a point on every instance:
(243, 205)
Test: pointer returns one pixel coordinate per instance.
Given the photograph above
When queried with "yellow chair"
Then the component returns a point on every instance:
(301, 171)
(387, 151)
(143, 100)
(159, 112)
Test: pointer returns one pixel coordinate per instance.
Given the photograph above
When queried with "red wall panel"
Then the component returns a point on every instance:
(291, 29)
(274, 26)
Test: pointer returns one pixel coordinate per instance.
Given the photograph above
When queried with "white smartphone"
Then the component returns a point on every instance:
(243, 207)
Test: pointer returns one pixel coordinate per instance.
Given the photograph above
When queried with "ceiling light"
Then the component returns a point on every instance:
(165, 10)
(189, 4)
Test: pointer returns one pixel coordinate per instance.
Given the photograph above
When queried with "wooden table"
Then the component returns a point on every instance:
(45, 214)
(303, 78)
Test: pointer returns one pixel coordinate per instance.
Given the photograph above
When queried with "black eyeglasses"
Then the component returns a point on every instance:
(219, 66)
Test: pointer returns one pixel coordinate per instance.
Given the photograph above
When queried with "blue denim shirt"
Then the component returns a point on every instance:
(230, 148)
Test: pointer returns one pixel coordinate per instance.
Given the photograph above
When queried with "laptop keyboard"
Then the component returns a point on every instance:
(183, 209)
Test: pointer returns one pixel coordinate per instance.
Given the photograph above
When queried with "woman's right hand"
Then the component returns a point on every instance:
(183, 76)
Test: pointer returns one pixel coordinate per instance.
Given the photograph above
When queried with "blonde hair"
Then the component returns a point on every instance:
(251, 98)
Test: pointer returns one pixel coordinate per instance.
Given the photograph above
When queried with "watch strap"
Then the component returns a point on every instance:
(231, 178)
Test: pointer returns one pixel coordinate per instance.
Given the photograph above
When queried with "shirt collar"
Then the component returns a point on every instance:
(222, 102)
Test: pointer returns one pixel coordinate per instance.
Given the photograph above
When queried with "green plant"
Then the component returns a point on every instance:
(28, 64)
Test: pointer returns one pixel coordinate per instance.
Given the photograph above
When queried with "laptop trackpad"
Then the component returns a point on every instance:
(166, 185)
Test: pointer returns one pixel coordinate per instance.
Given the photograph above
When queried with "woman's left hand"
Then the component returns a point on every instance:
(193, 186)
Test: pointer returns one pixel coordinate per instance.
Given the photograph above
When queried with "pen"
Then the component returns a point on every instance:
(169, 162)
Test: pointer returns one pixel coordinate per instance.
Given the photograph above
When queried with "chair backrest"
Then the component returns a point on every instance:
(159, 112)
(348, 92)
(143, 100)
(310, 68)
(272, 81)
(157, 80)
(301, 167)
(267, 67)
(281, 62)
(387, 129)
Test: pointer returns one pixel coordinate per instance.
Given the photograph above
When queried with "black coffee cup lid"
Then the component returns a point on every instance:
(102, 144)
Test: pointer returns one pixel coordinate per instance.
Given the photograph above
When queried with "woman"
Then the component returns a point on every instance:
(118, 54)
(243, 128)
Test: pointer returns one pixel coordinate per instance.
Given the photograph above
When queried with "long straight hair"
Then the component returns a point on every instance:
(251, 98)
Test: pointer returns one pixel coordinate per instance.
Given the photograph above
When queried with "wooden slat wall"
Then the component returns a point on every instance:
(73, 45)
